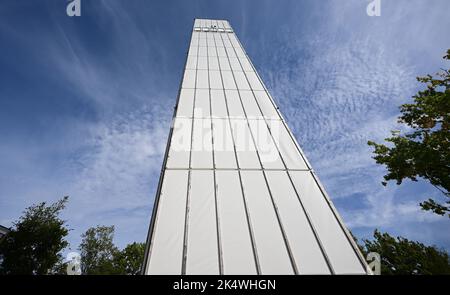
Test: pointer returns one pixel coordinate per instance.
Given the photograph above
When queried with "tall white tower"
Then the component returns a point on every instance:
(236, 194)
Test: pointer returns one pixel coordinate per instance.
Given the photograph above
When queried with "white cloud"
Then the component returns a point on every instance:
(119, 159)
(339, 84)
(115, 173)
(111, 155)
(336, 95)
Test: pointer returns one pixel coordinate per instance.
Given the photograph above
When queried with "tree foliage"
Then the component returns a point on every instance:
(400, 256)
(129, 260)
(97, 250)
(424, 152)
(34, 244)
(100, 256)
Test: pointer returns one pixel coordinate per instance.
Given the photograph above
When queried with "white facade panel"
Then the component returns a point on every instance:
(226, 25)
(289, 152)
(212, 51)
(234, 104)
(202, 79)
(191, 63)
(194, 41)
(220, 24)
(221, 52)
(189, 79)
(218, 40)
(228, 80)
(234, 40)
(235, 65)
(230, 52)
(341, 254)
(254, 81)
(193, 50)
(218, 104)
(266, 105)
(180, 144)
(250, 106)
(201, 154)
(185, 103)
(239, 52)
(202, 42)
(167, 246)
(241, 81)
(202, 109)
(237, 250)
(224, 64)
(223, 145)
(226, 41)
(202, 249)
(245, 148)
(272, 252)
(213, 63)
(236, 195)
(246, 66)
(267, 150)
(202, 63)
(202, 51)
(304, 246)
(215, 80)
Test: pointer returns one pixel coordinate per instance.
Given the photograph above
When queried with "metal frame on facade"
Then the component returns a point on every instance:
(296, 268)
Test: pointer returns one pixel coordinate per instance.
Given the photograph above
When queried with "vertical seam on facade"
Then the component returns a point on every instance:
(188, 194)
(324, 194)
(287, 172)
(283, 233)
(247, 213)
(155, 214)
(341, 224)
(316, 235)
(277, 109)
(219, 245)
(153, 218)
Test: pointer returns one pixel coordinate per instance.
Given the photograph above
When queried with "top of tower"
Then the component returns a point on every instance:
(212, 25)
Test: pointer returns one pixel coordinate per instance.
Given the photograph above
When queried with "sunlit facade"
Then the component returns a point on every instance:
(236, 194)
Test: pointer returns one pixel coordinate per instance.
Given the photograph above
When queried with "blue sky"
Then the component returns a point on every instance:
(86, 102)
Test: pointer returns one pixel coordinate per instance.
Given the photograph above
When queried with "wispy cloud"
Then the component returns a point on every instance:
(110, 155)
(337, 75)
(337, 90)
(116, 171)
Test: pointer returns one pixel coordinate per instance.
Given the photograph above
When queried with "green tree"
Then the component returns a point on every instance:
(400, 256)
(423, 152)
(34, 244)
(98, 250)
(99, 255)
(129, 260)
